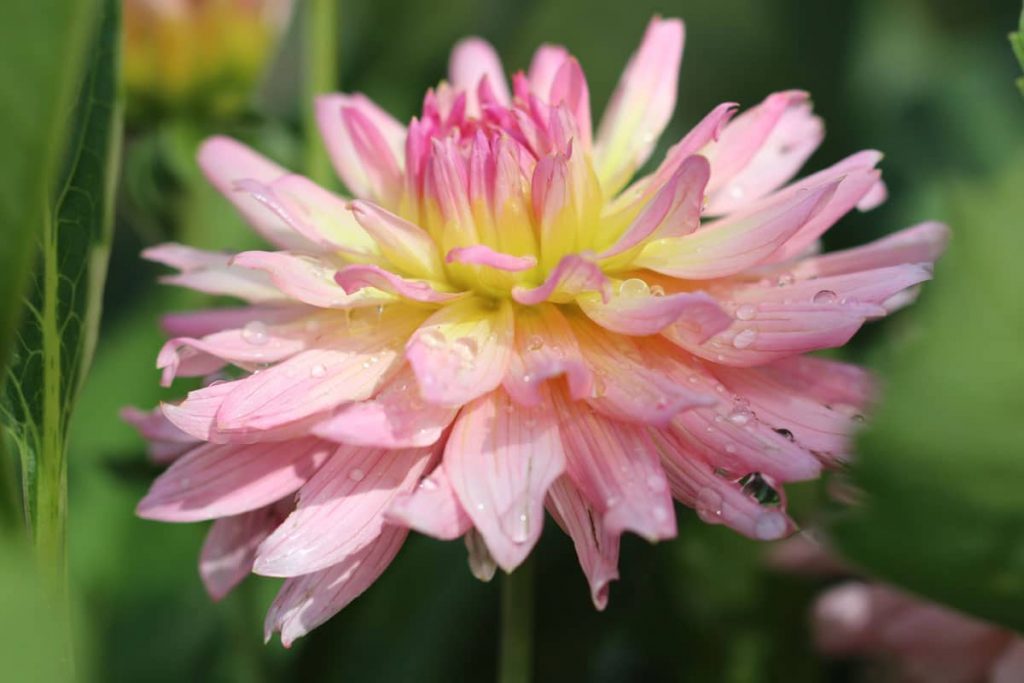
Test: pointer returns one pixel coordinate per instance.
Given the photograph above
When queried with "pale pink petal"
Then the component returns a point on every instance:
(472, 60)
(624, 387)
(395, 418)
(615, 467)
(641, 105)
(341, 509)
(738, 242)
(874, 197)
(307, 279)
(501, 459)
(716, 499)
(230, 547)
(225, 162)
(1010, 665)
(195, 415)
(545, 348)
(320, 216)
(597, 550)
(359, 277)
(404, 244)
(166, 442)
(573, 275)
(673, 212)
(432, 508)
(544, 66)
(826, 380)
(922, 243)
(211, 320)
(365, 144)
(569, 87)
(216, 480)
(482, 255)
(645, 314)
(305, 602)
(462, 351)
(212, 273)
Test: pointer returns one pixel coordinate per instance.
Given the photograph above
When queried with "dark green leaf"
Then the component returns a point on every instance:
(1017, 41)
(943, 463)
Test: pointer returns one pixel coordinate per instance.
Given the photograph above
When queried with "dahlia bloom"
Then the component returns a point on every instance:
(506, 321)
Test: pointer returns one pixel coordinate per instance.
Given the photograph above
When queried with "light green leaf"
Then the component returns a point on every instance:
(1017, 41)
(57, 334)
(943, 463)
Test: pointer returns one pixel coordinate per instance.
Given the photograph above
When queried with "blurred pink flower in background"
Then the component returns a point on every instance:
(507, 321)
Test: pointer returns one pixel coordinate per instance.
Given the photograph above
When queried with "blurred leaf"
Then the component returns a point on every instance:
(943, 463)
(58, 331)
(1017, 41)
(41, 48)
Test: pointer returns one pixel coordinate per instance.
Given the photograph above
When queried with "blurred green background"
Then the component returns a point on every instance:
(929, 82)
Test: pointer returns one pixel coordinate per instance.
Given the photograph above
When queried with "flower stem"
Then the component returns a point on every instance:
(320, 33)
(515, 655)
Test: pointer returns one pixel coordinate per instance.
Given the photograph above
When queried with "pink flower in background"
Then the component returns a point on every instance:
(505, 321)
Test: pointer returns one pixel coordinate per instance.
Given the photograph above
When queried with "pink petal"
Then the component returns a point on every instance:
(762, 149)
(597, 550)
(365, 144)
(395, 418)
(481, 255)
(307, 279)
(462, 351)
(1010, 665)
(615, 467)
(445, 186)
(738, 242)
(212, 273)
(221, 480)
(544, 66)
(305, 602)
(716, 499)
(230, 547)
(545, 348)
(673, 212)
(358, 277)
(432, 508)
(210, 320)
(195, 415)
(501, 459)
(641, 105)
(404, 244)
(827, 381)
(922, 243)
(224, 162)
(573, 275)
(166, 442)
(472, 60)
(624, 387)
(569, 87)
(341, 509)
(648, 314)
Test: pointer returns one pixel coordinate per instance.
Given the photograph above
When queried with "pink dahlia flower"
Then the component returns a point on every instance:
(507, 321)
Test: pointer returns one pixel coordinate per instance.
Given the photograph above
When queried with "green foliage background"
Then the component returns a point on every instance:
(930, 82)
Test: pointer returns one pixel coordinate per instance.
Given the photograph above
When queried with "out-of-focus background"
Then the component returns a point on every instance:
(929, 82)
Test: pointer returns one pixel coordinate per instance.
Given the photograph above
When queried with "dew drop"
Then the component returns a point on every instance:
(770, 526)
(656, 483)
(432, 338)
(356, 474)
(634, 287)
(784, 280)
(744, 338)
(657, 290)
(709, 506)
(785, 434)
(660, 514)
(318, 370)
(746, 312)
(740, 414)
(760, 488)
(428, 484)
(466, 346)
(255, 332)
(535, 343)
(825, 296)
(521, 529)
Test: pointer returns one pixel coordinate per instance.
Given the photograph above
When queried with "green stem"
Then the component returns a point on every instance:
(515, 655)
(320, 45)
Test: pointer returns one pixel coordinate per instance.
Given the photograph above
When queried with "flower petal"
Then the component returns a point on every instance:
(462, 351)
(573, 275)
(165, 441)
(404, 244)
(211, 320)
(641, 105)
(472, 60)
(545, 348)
(432, 508)
(615, 466)
(359, 277)
(395, 418)
(217, 480)
(646, 314)
(482, 255)
(212, 273)
(922, 243)
(341, 509)
(544, 66)
(501, 459)
(305, 602)
(230, 547)
(597, 550)
(569, 87)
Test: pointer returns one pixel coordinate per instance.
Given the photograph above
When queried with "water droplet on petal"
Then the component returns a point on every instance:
(761, 488)
(432, 338)
(521, 529)
(428, 484)
(660, 514)
(255, 332)
(825, 296)
(535, 343)
(657, 290)
(746, 312)
(656, 483)
(318, 370)
(785, 434)
(784, 280)
(744, 338)
(634, 287)
(770, 526)
(709, 506)
(356, 474)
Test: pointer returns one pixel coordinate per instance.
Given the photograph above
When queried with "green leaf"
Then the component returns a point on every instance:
(1017, 42)
(57, 334)
(42, 44)
(943, 462)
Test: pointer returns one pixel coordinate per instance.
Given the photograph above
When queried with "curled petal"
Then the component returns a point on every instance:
(404, 244)
(573, 275)
(432, 508)
(641, 105)
(358, 277)
(305, 602)
(213, 273)
(230, 546)
(501, 459)
(597, 550)
(482, 255)
(341, 509)
(216, 480)
(462, 351)
(545, 348)
(647, 314)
